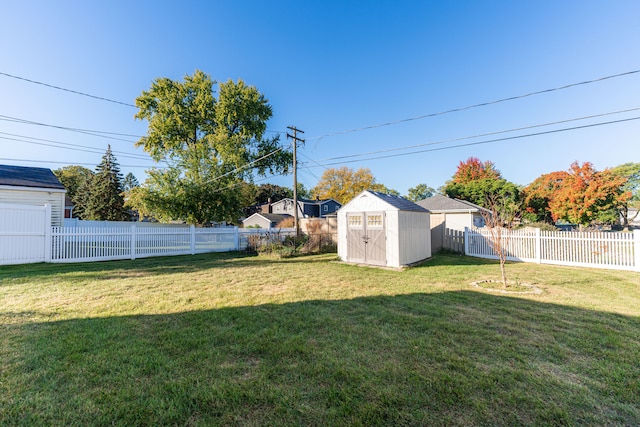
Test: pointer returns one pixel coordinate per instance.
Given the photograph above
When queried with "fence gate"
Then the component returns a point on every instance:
(366, 238)
(24, 232)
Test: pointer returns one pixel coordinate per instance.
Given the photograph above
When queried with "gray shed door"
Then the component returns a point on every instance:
(366, 238)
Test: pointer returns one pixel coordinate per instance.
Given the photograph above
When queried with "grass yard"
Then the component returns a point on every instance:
(232, 339)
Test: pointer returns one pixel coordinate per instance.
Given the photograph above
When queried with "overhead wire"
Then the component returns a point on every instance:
(407, 147)
(97, 133)
(67, 90)
(67, 163)
(468, 107)
(485, 142)
(69, 146)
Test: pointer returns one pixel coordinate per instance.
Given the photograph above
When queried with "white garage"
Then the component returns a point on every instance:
(385, 230)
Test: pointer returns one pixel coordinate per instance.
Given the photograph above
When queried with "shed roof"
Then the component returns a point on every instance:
(440, 203)
(23, 176)
(398, 202)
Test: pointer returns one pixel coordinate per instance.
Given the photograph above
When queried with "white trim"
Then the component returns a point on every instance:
(39, 189)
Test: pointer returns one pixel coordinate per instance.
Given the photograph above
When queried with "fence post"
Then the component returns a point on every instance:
(192, 231)
(466, 240)
(236, 239)
(133, 241)
(47, 232)
(636, 249)
(538, 246)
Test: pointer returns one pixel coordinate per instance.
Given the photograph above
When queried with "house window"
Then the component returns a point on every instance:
(355, 221)
(336, 208)
(326, 208)
(374, 221)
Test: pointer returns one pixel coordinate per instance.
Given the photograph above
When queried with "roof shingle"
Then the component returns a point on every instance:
(23, 176)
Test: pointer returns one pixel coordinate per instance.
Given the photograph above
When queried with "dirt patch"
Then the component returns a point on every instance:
(496, 287)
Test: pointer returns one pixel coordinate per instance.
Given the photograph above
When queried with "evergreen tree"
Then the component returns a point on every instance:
(105, 200)
(130, 181)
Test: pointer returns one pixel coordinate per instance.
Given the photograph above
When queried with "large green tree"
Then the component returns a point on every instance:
(77, 181)
(105, 201)
(420, 192)
(630, 171)
(209, 145)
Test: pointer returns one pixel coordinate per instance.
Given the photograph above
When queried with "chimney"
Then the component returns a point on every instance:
(269, 202)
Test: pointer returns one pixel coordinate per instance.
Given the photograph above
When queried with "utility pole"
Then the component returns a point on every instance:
(295, 138)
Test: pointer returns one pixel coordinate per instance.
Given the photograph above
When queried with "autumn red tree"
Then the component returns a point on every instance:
(477, 181)
(538, 194)
(582, 195)
(473, 169)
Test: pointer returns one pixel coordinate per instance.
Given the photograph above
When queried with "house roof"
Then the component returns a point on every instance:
(440, 203)
(308, 201)
(399, 202)
(23, 176)
(275, 218)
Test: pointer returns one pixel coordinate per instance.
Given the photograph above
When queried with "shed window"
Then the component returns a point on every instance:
(355, 221)
(374, 221)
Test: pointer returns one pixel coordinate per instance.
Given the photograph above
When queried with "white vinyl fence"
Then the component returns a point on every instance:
(613, 250)
(80, 244)
(24, 231)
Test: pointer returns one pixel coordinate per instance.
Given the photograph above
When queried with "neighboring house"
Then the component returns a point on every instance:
(381, 229)
(306, 208)
(68, 207)
(21, 185)
(264, 220)
(452, 214)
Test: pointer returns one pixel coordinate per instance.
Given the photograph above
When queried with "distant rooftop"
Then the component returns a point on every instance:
(440, 203)
(24, 176)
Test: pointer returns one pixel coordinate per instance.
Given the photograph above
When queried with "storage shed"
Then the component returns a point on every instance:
(23, 185)
(381, 229)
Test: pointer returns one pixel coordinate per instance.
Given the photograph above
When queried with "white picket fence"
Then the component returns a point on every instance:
(612, 250)
(82, 244)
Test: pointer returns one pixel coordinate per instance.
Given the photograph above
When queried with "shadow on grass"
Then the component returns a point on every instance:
(149, 266)
(193, 263)
(454, 358)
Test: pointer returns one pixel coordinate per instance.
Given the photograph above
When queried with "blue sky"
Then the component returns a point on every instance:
(332, 66)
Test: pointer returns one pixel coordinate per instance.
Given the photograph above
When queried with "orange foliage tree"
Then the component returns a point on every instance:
(344, 183)
(473, 169)
(582, 195)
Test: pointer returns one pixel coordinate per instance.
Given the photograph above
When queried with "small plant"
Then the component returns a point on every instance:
(500, 219)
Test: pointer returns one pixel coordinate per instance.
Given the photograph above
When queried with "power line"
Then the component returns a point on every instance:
(67, 163)
(484, 142)
(67, 90)
(483, 104)
(70, 146)
(92, 96)
(31, 122)
(238, 169)
(98, 133)
(478, 135)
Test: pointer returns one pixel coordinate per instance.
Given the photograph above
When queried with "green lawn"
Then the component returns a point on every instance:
(231, 339)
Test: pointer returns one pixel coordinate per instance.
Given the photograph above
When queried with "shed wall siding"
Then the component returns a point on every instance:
(37, 198)
(393, 248)
(414, 237)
